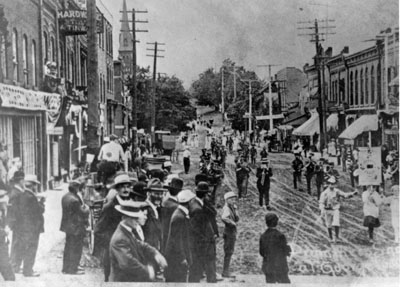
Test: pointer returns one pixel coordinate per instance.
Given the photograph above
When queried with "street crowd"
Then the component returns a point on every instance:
(148, 226)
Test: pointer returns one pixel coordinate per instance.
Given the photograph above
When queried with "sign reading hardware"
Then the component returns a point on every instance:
(74, 22)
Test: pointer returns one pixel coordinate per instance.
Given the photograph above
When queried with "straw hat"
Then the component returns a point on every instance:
(332, 179)
(131, 208)
(229, 194)
(185, 195)
(31, 178)
(120, 179)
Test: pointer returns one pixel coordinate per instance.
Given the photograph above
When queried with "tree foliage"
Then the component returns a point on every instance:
(173, 108)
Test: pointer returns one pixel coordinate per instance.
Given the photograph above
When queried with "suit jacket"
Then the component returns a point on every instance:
(178, 246)
(13, 206)
(267, 180)
(105, 227)
(274, 250)
(129, 257)
(74, 214)
(30, 218)
(152, 229)
(167, 209)
(201, 231)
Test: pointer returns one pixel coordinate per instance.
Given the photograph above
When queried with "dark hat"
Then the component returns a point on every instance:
(113, 137)
(175, 186)
(143, 178)
(202, 187)
(332, 163)
(18, 175)
(271, 219)
(139, 190)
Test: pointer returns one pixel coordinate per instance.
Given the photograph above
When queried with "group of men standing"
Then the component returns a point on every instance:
(21, 211)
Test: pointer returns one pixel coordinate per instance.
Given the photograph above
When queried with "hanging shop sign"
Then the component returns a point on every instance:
(74, 21)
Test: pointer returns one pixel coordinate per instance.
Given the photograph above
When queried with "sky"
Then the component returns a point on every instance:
(200, 34)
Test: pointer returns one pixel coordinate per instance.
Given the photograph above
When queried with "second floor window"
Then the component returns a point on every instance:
(25, 58)
(15, 55)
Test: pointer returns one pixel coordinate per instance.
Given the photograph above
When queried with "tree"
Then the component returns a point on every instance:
(206, 89)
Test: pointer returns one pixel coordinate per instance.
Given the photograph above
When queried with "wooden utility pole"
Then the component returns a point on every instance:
(133, 90)
(250, 104)
(271, 123)
(92, 79)
(318, 63)
(153, 94)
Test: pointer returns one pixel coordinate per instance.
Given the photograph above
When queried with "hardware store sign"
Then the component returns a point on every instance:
(74, 22)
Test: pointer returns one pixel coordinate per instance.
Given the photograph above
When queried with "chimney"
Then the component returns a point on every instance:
(345, 50)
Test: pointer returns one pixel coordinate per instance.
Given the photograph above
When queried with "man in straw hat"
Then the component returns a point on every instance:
(6, 269)
(132, 260)
(230, 218)
(73, 222)
(329, 204)
(264, 173)
(109, 220)
(177, 250)
(29, 225)
(168, 206)
(203, 246)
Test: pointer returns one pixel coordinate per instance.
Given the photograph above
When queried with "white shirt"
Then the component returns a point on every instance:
(186, 153)
(112, 152)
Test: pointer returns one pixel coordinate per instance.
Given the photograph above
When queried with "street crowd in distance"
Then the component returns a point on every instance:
(148, 226)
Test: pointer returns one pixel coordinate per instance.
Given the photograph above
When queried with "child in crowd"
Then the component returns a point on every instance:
(371, 202)
(274, 250)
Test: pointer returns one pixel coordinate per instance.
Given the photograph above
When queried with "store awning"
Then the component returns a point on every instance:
(364, 123)
(332, 121)
(310, 127)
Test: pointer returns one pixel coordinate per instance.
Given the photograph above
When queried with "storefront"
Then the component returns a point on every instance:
(363, 132)
(25, 116)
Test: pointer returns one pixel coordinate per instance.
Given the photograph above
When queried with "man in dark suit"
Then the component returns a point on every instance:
(73, 223)
(168, 206)
(17, 189)
(109, 220)
(6, 269)
(202, 237)
(132, 260)
(152, 227)
(264, 173)
(274, 250)
(177, 250)
(29, 225)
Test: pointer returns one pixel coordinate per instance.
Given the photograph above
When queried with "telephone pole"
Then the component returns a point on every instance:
(250, 103)
(316, 37)
(133, 90)
(92, 80)
(153, 94)
(222, 95)
(271, 123)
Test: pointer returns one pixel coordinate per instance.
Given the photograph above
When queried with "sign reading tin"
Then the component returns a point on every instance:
(74, 22)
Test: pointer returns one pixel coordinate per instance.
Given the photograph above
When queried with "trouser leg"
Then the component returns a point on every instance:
(318, 190)
(76, 252)
(308, 178)
(211, 270)
(16, 251)
(227, 261)
(266, 195)
(330, 233)
(67, 252)
(29, 256)
(260, 196)
(239, 185)
(371, 232)
(6, 269)
(106, 265)
(295, 180)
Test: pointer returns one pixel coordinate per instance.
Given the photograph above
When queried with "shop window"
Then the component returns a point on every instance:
(52, 49)
(356, 95)
(362, 87)
(366, 87)
(351, 89)
(372, 85)
(15, 55)
(3, 58)
(46, 48)
(25, 58)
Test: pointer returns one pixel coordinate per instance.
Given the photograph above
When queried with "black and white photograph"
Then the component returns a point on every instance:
(199, 142)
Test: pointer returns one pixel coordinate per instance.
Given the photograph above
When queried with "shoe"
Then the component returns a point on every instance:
(370, 241)
(32, 274)
(269, 207)
(228, 275)
(219, 277)
(80, 268)
(77, 272)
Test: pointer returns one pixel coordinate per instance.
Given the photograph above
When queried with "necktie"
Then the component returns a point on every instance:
(140, 232)
(263, 177)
